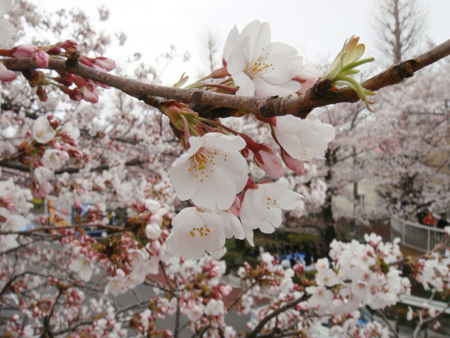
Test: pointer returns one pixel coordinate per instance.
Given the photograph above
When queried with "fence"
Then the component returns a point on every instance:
(414, 235)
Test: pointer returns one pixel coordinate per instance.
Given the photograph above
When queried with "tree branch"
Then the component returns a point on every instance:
(275, 313)
(318, 96)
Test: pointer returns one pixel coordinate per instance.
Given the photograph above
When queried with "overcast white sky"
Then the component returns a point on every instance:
(317, 28)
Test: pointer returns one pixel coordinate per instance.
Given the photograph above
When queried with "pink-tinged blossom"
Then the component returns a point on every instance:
(296, 166)
(116, 284)
(105, 63)
(83, 266)
(41, 177)
(321, 297)
(41, 58)
(259, 67)
(89, 93)
(6, 75)
(153, 231)
(303, 139)
(13, 223)
(196, 231)
(215, 308)
(263, 204)
(7, 30)
(71, 130)
(267, 160)
(195, 313)
(308, 76)
(24, 51)
(211, 172)
(42, 130)
(53, 159)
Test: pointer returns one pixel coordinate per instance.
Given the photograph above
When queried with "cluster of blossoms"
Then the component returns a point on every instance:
(434, 273)
(14, 206)
(76, 87)
(201, 295)
(360, 274)
(350, 326)
(214, 173)
(48, 146)
(269, 278)
(128, 259)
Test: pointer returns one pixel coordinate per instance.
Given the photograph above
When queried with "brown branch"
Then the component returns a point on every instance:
(58, 228)
(318, 96)
(72, 170)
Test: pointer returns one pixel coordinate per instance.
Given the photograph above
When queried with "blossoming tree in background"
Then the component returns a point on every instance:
(168, 178)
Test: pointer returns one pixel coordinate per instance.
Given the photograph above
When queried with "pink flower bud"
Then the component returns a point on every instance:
(295, 165)
(54, 51)
(268, 161)
(42, 93)
(41, 58)
(55, 144)
(107, 64)
(66, 44)
(89, 94)
(79, 81)
(24, 51)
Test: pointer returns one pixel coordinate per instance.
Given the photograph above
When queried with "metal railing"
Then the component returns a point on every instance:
(415, 235)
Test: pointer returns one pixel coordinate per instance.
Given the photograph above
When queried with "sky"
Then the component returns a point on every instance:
(317, 28)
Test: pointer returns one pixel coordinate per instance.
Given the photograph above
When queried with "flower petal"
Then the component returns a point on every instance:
(183, 180)
(260, 35)
(245, 83)
(284, 61)
(218, 192)
(264, 88)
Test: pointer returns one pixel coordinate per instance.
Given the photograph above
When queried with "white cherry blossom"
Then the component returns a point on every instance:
(259, 67)
(83, 266)
(263, 204)
(53, 159)
(153, 231)
(211, 172)
(215, 308)
(42, 130)
(303, 139)
(196, 231)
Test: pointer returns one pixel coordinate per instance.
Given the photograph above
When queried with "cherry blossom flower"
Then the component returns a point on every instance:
(267, 160)
(153, 231)
(259, 67)
(263, 203)
(195, 313)
(196, 231)
(42, 130)
(116, 284)
(41, 177)
(53, 159)
(303, 139)
(215, 308)
(211, 172)
(83, 266)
